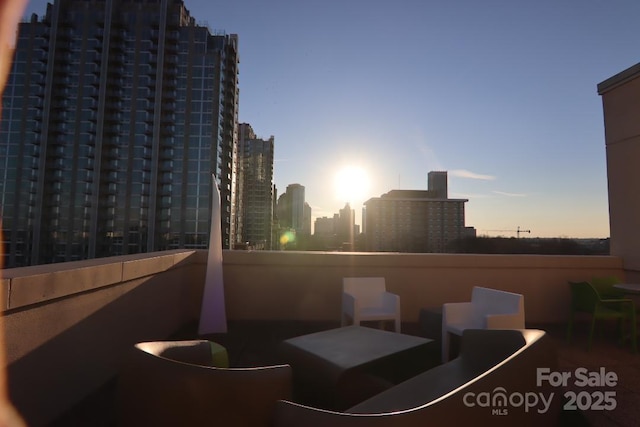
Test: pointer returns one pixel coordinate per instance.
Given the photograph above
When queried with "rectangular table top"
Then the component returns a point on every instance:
(353, 346)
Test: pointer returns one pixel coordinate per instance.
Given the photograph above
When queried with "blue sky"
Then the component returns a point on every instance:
(501, 94)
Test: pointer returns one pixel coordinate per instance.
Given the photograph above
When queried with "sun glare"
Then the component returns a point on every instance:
(352, 184)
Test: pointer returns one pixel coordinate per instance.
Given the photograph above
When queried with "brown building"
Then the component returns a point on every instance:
(415, 220)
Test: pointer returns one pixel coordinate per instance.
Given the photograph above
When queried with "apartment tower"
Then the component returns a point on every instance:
(116, 115)
(255, 189)
(415, 220)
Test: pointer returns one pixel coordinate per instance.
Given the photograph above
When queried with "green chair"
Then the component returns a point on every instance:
(586, 299)
(604, 286)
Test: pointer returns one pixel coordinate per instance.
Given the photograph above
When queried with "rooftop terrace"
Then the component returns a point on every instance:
(69, 325)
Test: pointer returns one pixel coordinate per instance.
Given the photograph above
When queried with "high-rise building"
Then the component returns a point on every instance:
(291, 209)
(294, 215)
(345, 227)
(255, 189)
(275, 229)
(415, 220)
(306, 220)
(116, 114)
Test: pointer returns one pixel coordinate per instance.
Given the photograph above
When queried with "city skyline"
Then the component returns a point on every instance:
(502, 96)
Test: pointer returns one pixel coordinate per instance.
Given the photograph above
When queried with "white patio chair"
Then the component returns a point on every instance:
(366, 299)
(488, 309)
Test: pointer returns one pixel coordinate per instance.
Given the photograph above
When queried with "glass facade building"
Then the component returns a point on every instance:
(115, 116)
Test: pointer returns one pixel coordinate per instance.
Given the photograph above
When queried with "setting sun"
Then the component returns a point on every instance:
(352, 184)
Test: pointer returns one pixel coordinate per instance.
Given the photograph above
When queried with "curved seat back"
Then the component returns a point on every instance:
(448, 394)
(172, 383)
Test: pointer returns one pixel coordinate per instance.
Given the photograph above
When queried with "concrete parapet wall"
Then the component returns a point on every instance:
(68, 325)
(308, 285)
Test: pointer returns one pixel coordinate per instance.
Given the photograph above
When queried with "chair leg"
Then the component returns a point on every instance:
(348, 320)
(398, 326)
(634, 332)
(621, 331)
(445, 346)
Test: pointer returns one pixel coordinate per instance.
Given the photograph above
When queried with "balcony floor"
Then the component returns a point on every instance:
(254, 344)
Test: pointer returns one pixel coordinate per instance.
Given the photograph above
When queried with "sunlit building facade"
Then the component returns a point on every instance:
(115, 116)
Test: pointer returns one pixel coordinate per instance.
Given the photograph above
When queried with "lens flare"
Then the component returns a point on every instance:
(287, 237)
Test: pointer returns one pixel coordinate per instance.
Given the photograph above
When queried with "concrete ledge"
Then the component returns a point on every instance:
(385, 259)
(68, 325)
(619, 79)
(32, 285)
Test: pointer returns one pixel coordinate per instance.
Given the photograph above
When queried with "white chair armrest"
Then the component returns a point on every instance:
(505, 321)
(349, 304)
(456, 312)
(391, 301)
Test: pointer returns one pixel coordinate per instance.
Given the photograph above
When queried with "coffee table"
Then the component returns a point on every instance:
(628, 288)
(338, 368)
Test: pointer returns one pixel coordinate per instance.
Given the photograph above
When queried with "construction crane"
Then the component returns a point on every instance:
(518, 231)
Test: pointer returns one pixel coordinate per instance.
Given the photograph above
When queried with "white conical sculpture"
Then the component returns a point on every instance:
(213, 315)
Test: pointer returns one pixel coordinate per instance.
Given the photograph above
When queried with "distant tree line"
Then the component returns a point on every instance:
(472, 245)
(541, 246)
